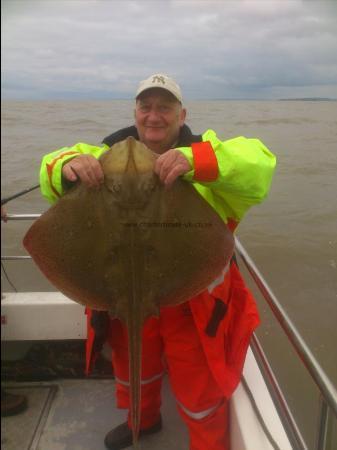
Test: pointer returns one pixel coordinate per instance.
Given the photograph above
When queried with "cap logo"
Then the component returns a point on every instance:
(158, 79)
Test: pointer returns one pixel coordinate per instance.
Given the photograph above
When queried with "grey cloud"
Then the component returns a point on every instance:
(215, 49)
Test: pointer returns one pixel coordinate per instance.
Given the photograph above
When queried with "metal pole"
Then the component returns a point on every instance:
(322, 435)
(12, 258)
(22, 216)
(280, 402)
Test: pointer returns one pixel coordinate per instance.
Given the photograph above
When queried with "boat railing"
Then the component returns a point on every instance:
(328, 394)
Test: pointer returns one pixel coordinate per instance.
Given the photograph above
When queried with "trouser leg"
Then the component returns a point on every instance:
(151, 372)
(200, 400)
(210, 432)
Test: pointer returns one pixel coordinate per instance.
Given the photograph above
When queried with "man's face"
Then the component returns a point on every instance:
(159, 117)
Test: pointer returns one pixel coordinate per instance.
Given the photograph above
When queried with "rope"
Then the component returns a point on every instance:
(7, 277)
(272, 441)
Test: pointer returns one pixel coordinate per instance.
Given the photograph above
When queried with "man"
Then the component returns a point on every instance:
(204, 341)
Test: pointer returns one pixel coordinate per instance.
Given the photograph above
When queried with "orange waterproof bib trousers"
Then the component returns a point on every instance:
(171, 343)
(204, 362)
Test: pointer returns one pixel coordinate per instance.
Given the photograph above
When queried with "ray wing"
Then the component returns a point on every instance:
(130, 246)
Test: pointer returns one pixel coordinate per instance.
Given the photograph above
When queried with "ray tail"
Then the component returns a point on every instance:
(134, 325)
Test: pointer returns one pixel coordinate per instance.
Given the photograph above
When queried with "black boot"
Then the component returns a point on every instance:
(12, 404)
(121, 436)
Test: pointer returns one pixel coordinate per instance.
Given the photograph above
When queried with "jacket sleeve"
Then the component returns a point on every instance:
(242, 171)
(52, 163)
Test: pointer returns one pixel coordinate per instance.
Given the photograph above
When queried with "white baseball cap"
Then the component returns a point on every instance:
(159, 80)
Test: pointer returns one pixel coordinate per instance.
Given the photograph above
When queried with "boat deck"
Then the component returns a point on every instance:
(77, 414)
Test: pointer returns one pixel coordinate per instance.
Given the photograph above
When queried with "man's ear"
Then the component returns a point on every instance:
(182, 116)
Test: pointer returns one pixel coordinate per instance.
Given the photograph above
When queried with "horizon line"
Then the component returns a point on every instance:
(309, 98)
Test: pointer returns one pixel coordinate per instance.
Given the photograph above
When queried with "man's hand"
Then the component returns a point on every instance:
(3, 214)
(86, 168)
(170, 165)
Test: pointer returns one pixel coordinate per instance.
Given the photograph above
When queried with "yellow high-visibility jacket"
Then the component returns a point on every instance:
(245, 170)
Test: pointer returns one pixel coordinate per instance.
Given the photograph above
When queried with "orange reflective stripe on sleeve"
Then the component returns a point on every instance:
(50, 175)
(51, 166)
(205, 162)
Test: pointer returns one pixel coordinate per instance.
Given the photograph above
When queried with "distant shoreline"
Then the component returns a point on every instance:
(308, 99)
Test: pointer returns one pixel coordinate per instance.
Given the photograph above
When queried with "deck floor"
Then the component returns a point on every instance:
(76, 415)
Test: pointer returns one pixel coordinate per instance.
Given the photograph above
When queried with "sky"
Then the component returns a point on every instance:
(101, 49)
